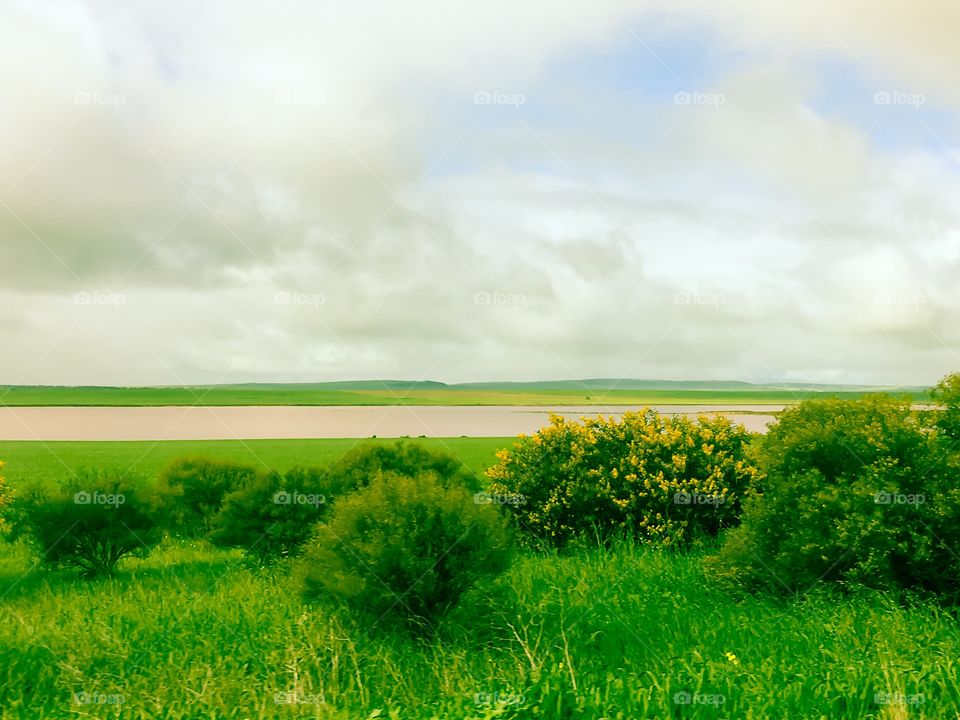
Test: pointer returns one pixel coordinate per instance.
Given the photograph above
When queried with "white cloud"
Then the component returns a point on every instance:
(202, 159)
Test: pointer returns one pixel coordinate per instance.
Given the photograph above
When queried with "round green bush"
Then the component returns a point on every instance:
(405, 547)
(272, 516)
(90, 522)
(857, 493)
(355, 469)
(648, 477)
(189, 493)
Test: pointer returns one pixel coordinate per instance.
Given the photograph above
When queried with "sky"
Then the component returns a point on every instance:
(215, 191)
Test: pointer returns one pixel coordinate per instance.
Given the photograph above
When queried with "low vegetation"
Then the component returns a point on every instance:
(90, 522)
(272, 516)
(190, 493)
(858, 493)
(648, 477)
(406, 547)
(823, 585)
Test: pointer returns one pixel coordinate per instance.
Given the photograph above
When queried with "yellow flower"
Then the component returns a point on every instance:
(732, 658)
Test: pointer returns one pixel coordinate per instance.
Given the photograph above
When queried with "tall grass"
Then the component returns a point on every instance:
(192, 632)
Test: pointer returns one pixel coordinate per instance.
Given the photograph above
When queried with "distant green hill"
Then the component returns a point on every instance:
(594, 391)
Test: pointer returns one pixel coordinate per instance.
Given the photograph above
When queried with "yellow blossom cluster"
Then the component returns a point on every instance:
(645, 475)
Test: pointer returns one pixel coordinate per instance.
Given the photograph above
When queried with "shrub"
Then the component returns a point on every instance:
(190, 493)
(406, 547)
(272, 516)
(90, 522)
(648, 477)
(857, 493)
(947, 395)
(359, 466)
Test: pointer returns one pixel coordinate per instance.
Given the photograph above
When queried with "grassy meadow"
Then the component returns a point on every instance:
(34, 461)
(192, 632)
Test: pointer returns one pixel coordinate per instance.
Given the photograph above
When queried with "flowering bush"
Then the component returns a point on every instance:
(651, 477)
(947, 396)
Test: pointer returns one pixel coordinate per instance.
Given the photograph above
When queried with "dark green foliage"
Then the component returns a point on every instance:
(271, 516)
(190, 492)
(856, 492)
(359, 466)
(947, 395)
(405, 546)
(90, 522)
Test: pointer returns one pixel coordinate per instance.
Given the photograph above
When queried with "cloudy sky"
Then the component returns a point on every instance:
(227, 190)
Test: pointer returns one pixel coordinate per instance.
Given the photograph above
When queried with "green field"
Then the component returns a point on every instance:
(196, 632)
(191, 632)
(34, 461)
(591, 392)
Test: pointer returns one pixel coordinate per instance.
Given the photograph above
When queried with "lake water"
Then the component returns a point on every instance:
(252, 423)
